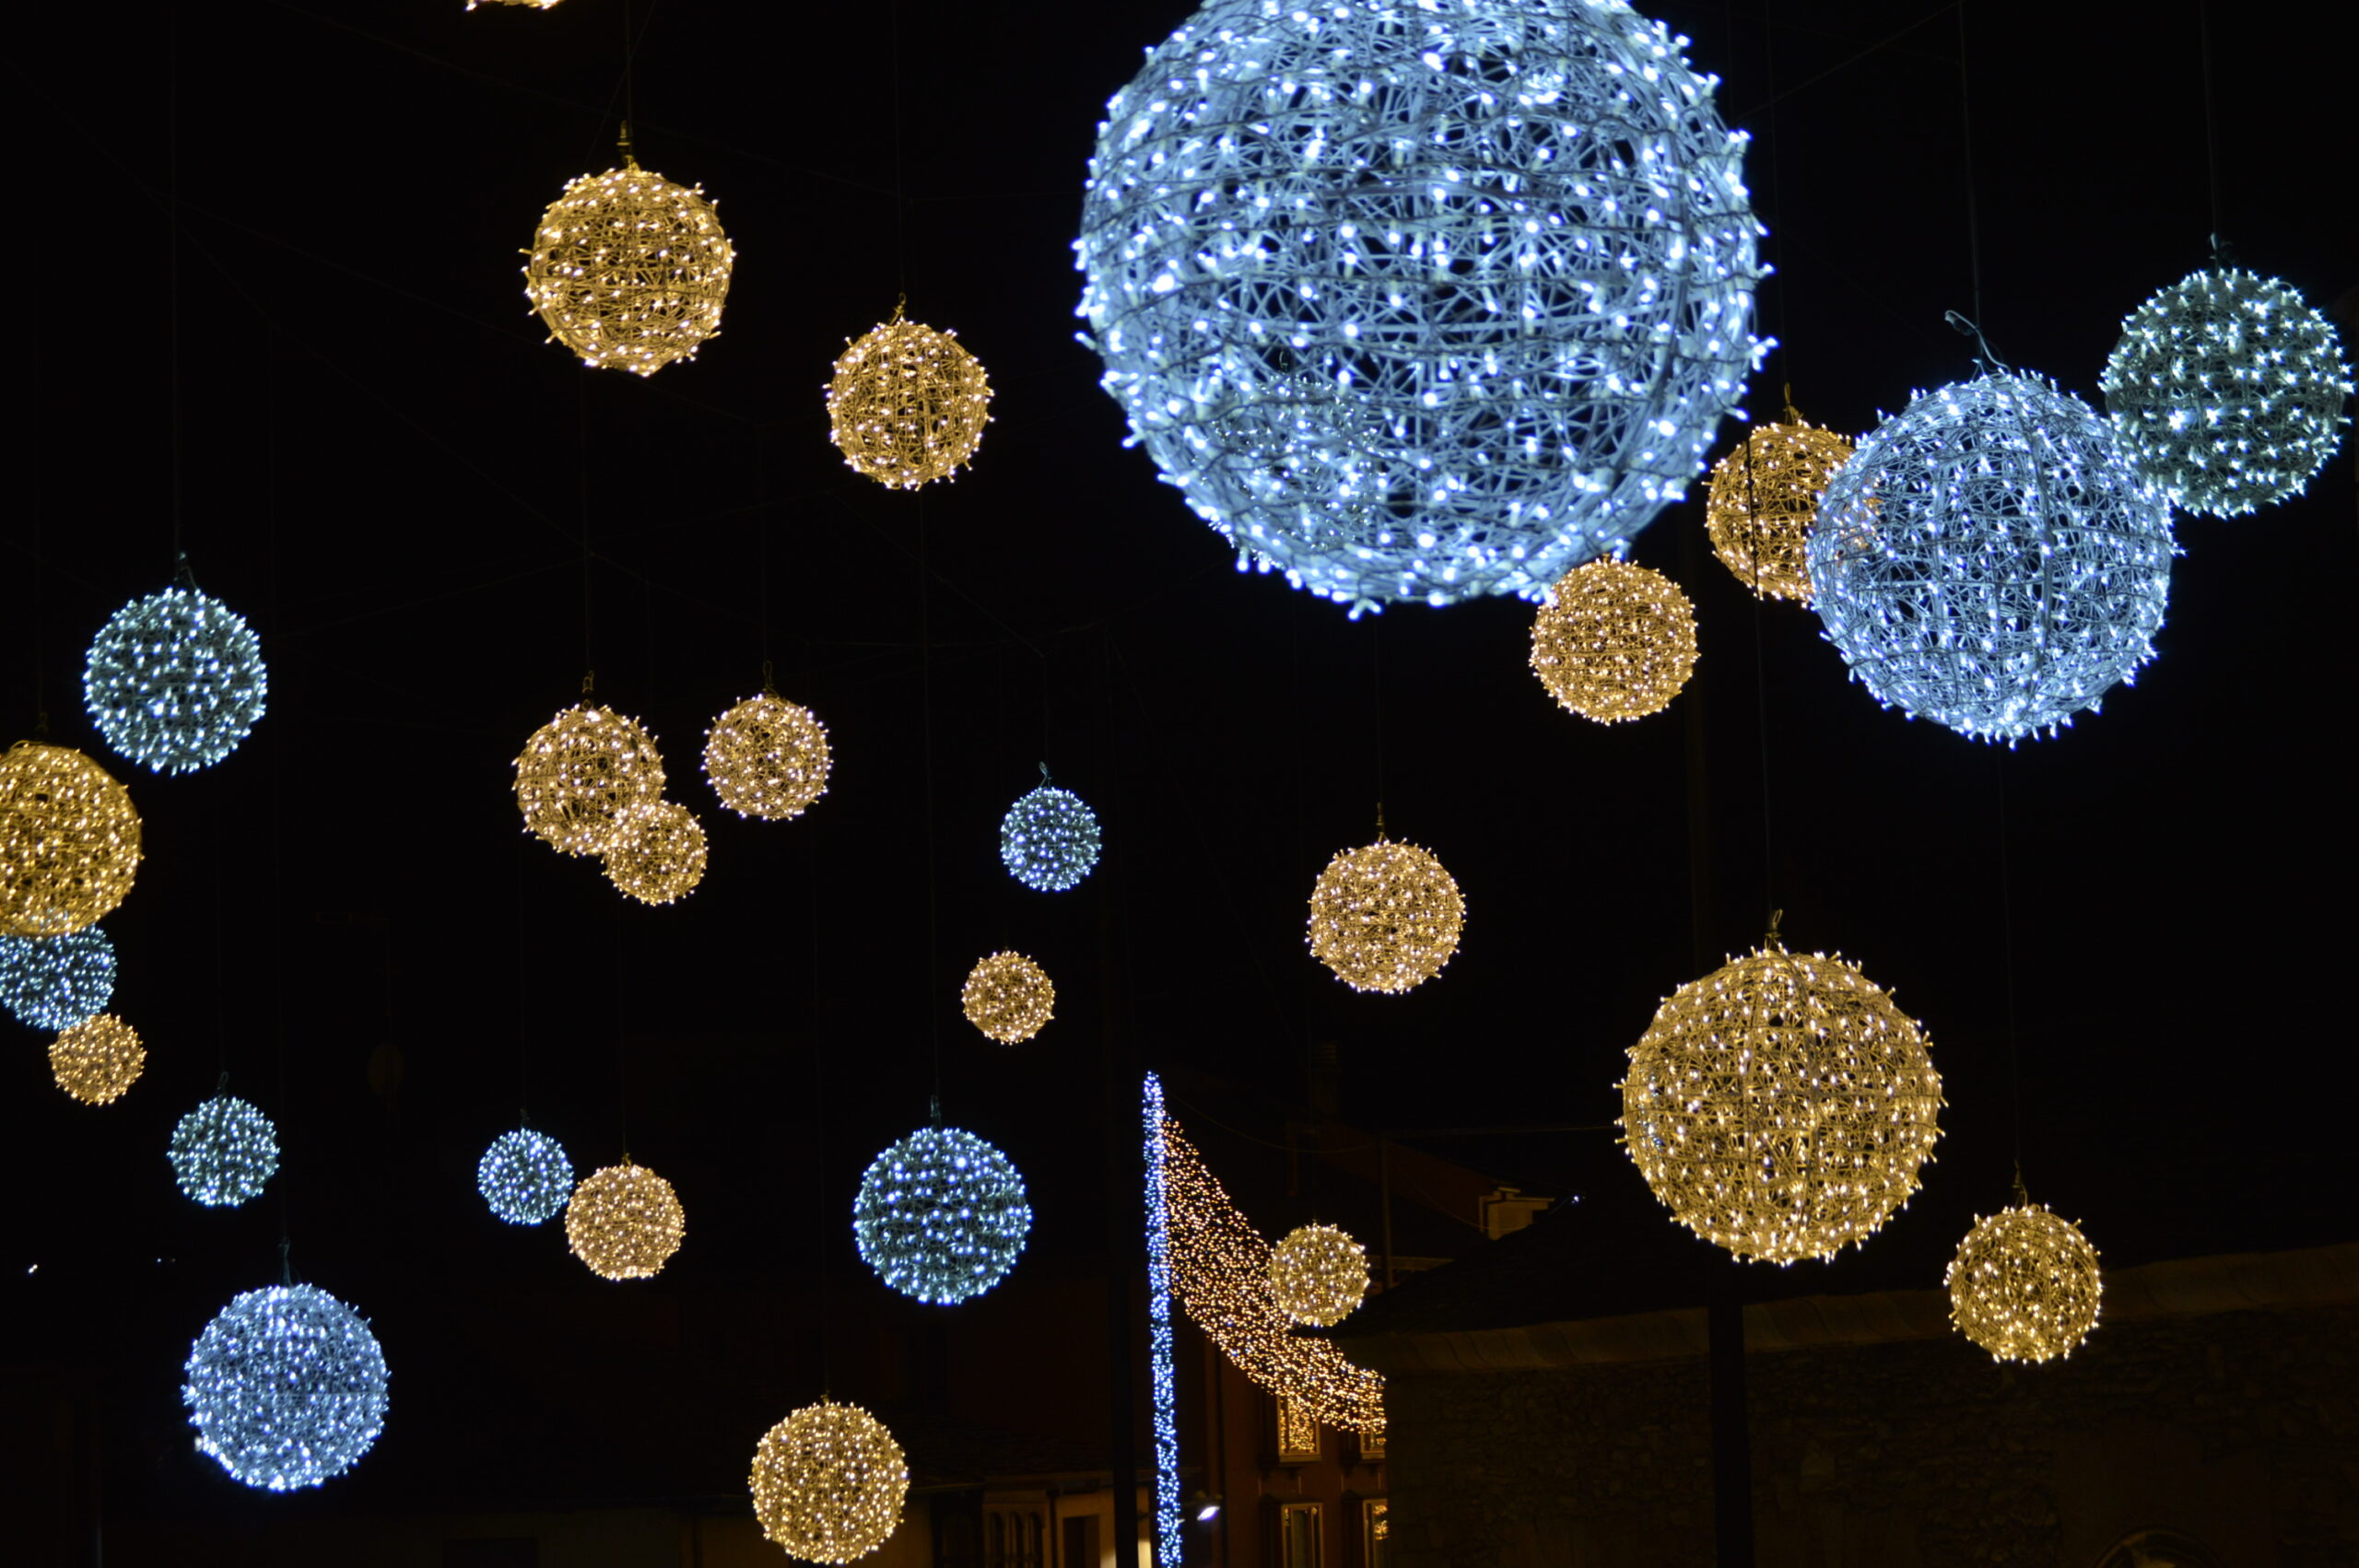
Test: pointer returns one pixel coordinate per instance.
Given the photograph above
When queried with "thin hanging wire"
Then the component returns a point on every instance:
(1376, 676)
(1761, 675)
(828, 1237)
(523, 1017)
(172, 267)
(925, 725)
(2007, 963)
(2211, 127)
(278, 780)
(630, 83)
(1777, 200)
(1966, 126)
(622, 1077)
(581, 413)
(900, 193)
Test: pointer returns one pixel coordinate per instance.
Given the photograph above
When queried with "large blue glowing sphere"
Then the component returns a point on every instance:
(1048, 839)
(1990, 558)
(1419, 301)
(54, 982)
(224, 1151)
(286, 1387)
(175, 680)
(941, 1215)
(524, 1176)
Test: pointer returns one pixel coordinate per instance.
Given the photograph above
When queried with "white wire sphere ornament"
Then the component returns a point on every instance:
(828, 1483)
(1416, 303)
(524, 1176)
(1048, 839)
(657, 854)
(224, 1151)
(768, 757)
(941, 1215)
(580, 772)
(2025, 1285)
(98, 1060)
(54, 982)
(1613, 641)
(69, 840)
(286, 1387)
(1385, 917)
(1991, 561)
(1319, 1274)
(175, 681)
(2228, 389)
(628, 270)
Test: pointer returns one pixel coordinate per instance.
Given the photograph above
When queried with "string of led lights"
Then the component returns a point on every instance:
(1158, 1332)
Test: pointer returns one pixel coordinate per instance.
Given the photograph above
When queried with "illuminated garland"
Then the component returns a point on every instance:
(1009, 998)
(1385, 916)
(828, 1483)
(175, 681)
(657, 854)
(525, 1177)
(1615, 640)
(98, 1060)
(767, 757)
(69, 840)
(941, 1215)
(1167, 1542)
(1048, 839)
(2025, 1285)
(907, 405)
(224, 1151)
(580, 772)
(628, 270)
(286, 1387)
(1764, 501)
(54, 982)
(625, 1221)
(1317, 1275)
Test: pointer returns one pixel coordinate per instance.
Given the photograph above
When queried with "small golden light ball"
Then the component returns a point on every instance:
(767, 757)
(907, 405)
(625, 1221)
(1764, 501)
(1613, 641)
(98, 1060)
(2024, 1285)
(1319, 1274)
(69, 840)
(580, 772)
(1385, 916)
(657, 854)
(829, 1483)
(1008, 997)
(628, 270)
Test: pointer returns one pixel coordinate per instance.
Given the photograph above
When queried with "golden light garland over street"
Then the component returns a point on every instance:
(1317, 1275)
(657, 854)
(767, 757)
(829, 1483)
(69, 840)
(1764, 501)
(580, 772)
(907, 405)
(625, 1221)
(628, 270)
(1613, 641)
(1008, 997)
(2025, 1285)
(98, 1060)
(1385, 916)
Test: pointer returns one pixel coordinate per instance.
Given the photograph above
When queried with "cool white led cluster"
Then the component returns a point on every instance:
(175, 681)
(286, 1387)
(942, 1215)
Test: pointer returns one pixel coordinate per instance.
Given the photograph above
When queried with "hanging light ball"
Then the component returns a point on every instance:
(54, 982)
(625, 1221)
(175, 681)
(224, 1151)
(941, 1215)
(286, 1387)
(1318, 1274)
(657, 854)
(1385, 916)
(524, 1176)
(2228, 390)
(1395, 315)
(98, 1060)
(1009, 998)
(580, 772)
(1613, 641)
(829, 1483)
(1782, 1106)
(69, 840)
(767, 757)
(907, 405)
(536, 5)
(1764, 500)
(628, 270)
(1048, 839)
(1991, 561)
(2024, 1285)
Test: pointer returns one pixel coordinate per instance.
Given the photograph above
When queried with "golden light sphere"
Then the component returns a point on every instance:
(829, 1483)
(1613, 641)
(1782, 1106)
(1008, 997)
(1318, 1274)
(625, 1221)
(628, 270)
(767, 757)
(2024, 1285)
(97, 1059)
(580, 772)
(536, 5)
(657, 854)
(1764, 501)
(907, 405)
(1385, 916)
(69, 840)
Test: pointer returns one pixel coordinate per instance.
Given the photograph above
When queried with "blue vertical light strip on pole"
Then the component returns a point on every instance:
(1158, 1329)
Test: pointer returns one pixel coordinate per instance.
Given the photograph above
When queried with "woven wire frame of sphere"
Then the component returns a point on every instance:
(2228, 390)
(941, 1215)
(286, 1387)
(1782, 1106)
(54, 982)
(657, 854)
(628, 270)
(1460, 310)
(2024, 1285)
(524, 1176)
(1613, 641)
(1991, 561)
(625, 1221)
(1385, 916)
(175, 681)
(1008, 997)
(224, 1151)
(69, 841)
(907, 405)
(1764, 500)
(767, 757)
(828, 1483)
(1048, 839)
(98, 1060)
(580, 772)
(1319, 1274)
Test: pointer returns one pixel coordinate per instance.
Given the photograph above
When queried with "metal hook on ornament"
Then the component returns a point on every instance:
(1983, 353)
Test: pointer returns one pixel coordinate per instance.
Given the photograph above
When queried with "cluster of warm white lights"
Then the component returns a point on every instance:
(942, 1215)
(286, 1387)
(1991, 561)
(2026, 1284)
(1615, 640)
(525, 1177)
(69, 840)
(1764, 501)
(98, 1060)
(224, 1151)
(628, 270)
(1162, 1377)
(1008, 997)
(54, 982)
(767, 757)
(1416, 303)
(1385, 916)
(175, 681)
(657, 854)
(1048, 839)
(625, 1221)
(907, 405)
(1318, 1274)
(580, 772)
(829, 1483)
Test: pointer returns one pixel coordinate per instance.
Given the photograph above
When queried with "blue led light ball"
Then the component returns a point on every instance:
(286, 1387)
(1048, 839)
(1420, 302)
(1991, 561)
(175, 681)
(941, 1215)
(525, 1177)
(54, 982)
(224, 1151)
